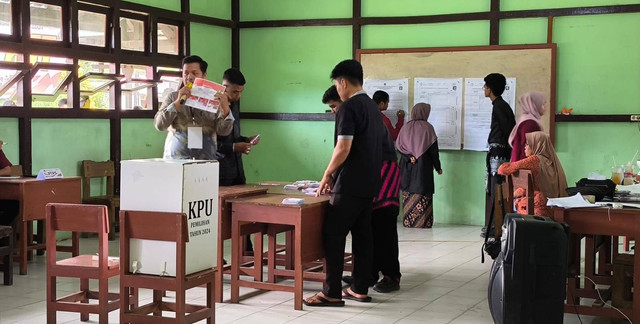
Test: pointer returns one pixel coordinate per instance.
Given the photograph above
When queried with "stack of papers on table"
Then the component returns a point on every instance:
(576, 201)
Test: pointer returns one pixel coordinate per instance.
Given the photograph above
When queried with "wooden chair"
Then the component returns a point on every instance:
(77, 218)
(170, 227)
(6, 248)
(106, 169)
(521, 179)
(16, 171)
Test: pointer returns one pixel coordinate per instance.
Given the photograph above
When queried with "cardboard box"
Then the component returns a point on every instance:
(186, 186)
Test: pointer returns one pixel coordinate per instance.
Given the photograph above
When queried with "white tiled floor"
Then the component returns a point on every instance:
(443, 282)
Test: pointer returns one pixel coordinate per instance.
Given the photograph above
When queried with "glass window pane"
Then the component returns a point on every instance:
(131, 71)
(85, 67)
(168, 39)
(11, 57)
(10, 96)
(59, 101)
(5, 17)
(92, 27)
(132, 34)
(168, 85)
(47, 82)
(33, 59)
(46, 21)
(138, 99)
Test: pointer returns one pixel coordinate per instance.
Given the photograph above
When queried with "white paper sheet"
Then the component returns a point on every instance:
(575, 201)
(398, 90)
(445, 98)
(477, 112)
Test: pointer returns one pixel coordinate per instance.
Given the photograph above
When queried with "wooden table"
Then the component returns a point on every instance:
(224, 225)
(598, 221)
(306, 222)
(33, 195)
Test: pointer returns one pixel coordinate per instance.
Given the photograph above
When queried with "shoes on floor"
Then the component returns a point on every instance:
(387, 285)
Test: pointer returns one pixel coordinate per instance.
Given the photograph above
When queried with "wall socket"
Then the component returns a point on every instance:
(635, 118)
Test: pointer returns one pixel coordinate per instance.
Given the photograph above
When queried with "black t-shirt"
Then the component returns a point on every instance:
(359, 119)
(502, 122)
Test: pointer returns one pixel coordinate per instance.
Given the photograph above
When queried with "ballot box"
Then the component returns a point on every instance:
(183, 186)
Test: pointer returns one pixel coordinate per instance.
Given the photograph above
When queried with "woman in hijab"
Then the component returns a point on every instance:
(532, 105)
(549, 180)
(418, 145)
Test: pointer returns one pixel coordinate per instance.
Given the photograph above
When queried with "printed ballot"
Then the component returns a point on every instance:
(203, 95)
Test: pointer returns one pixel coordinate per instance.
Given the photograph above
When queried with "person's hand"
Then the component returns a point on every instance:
(223, 99)
(413, 160)
(325, 185)
(400, 114)
(255, 137)
(241, 147)
(440, 172)
(184, 91)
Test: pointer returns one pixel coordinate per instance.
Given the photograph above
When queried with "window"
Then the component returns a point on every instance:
(50, 77)
(96, 82)
(137, 87)
(5, 17)
(168, 40)
(132, 34)
(92, 28)
(46, 21)
(168, 84)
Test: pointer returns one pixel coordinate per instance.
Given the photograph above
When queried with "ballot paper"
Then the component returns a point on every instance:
(575, 201)
(203, 95)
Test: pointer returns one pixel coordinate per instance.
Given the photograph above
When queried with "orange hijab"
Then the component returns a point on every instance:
(552, 180)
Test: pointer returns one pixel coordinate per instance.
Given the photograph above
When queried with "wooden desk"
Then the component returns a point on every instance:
(224, 225)
(598, 221)
(306, 221)
(33, 195)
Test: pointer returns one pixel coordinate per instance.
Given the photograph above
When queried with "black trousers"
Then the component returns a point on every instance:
(385, 242)
(348, 213)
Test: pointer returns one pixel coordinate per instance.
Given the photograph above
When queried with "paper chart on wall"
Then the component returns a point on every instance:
(477, 112)
(398, 90)
(445, 97)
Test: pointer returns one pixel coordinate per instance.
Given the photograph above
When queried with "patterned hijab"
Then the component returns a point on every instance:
(531, 104)
(417, 136)
(552, 182)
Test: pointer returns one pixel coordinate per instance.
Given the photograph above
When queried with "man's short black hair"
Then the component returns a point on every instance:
(196, 59)
(234, 76)
(380, 96)
(331, 94)
(351, 70)
(496, 82)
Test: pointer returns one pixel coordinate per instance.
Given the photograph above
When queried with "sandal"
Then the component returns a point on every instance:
(321, 301)
(347, 295)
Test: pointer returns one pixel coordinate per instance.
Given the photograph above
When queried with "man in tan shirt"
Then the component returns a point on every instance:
(177, 118)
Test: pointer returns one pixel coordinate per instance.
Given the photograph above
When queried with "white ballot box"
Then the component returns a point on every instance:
(182, 186)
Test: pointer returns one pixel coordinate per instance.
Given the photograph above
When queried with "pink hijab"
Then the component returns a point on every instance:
(531, 105)
(418, 134)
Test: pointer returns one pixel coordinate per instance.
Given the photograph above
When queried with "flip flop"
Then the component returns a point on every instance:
(323, 302)
(347, 295)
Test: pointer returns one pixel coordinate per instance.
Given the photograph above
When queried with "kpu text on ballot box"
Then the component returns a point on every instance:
(183, 186)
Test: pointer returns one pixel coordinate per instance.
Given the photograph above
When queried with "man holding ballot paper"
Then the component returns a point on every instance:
(193, 127)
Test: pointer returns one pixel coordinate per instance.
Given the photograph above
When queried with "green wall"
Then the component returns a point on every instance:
(164, 4)
(285, 76)
(9, 134)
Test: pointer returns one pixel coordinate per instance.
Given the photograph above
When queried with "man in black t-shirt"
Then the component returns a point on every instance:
(353, 179)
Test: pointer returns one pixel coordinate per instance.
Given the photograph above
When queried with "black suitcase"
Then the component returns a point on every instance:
(528, 278)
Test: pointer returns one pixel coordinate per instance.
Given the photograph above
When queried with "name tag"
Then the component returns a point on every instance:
(194, 137)
(45, 174)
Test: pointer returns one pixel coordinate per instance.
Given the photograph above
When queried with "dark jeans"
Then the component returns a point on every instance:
(385, 242)
(348, 213)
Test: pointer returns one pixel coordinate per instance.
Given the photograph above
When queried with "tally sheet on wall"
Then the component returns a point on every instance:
(398, 90)
(477, 112)
(445, 97)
